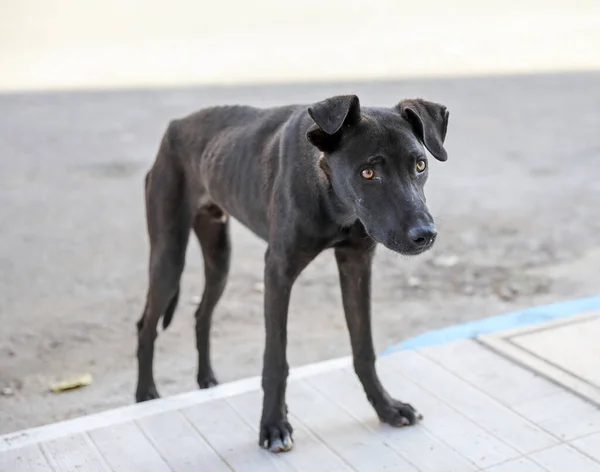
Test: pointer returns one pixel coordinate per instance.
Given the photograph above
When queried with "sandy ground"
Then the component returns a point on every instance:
(516, 206)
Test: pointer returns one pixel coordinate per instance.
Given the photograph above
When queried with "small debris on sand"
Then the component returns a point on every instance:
(70, 384)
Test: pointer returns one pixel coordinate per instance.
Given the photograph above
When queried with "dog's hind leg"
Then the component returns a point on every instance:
(212, 229)
(169, 223)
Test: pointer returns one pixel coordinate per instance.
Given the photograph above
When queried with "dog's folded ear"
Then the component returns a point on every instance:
(330, 116)
(429, 120)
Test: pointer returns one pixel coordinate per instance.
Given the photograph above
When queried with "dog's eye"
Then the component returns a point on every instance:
(421, 165)
(368, 173)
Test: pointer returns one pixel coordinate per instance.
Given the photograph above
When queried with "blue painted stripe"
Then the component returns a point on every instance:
(499, 323)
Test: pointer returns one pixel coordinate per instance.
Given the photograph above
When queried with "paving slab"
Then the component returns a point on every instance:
(468, 425)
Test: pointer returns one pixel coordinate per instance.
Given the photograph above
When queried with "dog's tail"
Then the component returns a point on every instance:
(168, 317)
(166, 149)
(170, 311)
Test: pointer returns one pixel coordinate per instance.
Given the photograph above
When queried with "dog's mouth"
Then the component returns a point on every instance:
(404, 246)
(408, 251)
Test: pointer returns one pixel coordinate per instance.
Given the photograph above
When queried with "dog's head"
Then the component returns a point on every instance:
(376, 163)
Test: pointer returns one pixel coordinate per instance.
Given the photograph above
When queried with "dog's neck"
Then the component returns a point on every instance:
(337, 210)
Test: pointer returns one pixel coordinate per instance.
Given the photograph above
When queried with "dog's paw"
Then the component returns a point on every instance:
(276, 436)
(207, 380)
(399, 414)
(145, 394)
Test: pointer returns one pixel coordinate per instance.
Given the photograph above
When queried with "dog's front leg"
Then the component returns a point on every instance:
(282, 267)
(354, 265)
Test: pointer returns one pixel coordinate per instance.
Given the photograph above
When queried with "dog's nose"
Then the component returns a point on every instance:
(422, 236)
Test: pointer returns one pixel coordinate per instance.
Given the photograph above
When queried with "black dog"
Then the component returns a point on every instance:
(304, 180)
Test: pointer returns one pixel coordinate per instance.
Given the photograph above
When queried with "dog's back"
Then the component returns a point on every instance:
(226, 148)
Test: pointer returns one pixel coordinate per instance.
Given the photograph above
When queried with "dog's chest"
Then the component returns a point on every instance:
(346, 235)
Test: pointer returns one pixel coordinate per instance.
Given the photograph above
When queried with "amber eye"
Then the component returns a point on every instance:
(421, 165)
(368, 173)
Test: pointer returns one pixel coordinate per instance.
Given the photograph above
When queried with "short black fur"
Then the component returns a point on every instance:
(304, 179)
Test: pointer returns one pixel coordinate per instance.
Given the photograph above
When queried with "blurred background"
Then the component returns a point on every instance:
(87, 88)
